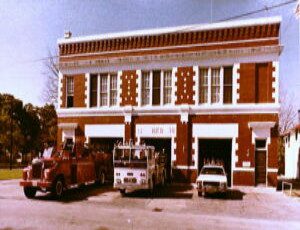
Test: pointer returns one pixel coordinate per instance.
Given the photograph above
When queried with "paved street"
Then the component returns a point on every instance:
(174, 207)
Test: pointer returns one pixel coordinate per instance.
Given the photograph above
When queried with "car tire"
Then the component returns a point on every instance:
(57, 189)
(30, 192)
(123, 192)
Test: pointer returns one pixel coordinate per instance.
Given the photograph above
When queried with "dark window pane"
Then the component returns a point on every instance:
(260, 144)
(227, 97)
(93, 93)
(156, 88)
(69, 101)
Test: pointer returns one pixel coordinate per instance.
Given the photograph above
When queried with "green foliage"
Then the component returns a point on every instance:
(25, 128)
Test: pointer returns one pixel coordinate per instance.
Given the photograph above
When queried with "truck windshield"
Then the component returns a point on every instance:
(212, 171)
(130, 155)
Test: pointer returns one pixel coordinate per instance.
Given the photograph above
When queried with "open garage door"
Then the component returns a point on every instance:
(105, 144)
(161, 144)
(216, 150)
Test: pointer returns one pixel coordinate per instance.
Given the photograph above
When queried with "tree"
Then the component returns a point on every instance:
(50, 92)
(48, 123)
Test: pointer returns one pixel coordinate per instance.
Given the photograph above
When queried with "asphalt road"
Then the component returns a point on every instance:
(172, 207)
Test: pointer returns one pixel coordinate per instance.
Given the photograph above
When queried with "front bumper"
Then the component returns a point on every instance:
(36, 183)
(211, 188)
(131, 186)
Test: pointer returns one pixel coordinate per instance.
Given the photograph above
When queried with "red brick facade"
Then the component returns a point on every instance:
(252, 113)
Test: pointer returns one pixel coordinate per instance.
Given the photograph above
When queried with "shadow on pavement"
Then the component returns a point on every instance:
(173, 191)
(77, 194)
(230, 194)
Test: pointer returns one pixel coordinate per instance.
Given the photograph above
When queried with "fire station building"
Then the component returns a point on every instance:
(199, 93)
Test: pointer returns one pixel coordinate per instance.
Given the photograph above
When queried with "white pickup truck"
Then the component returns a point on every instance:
(211, 179)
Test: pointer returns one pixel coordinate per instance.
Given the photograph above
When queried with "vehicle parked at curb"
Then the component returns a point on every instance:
(212, 178)
(138, 167)
(64, 170)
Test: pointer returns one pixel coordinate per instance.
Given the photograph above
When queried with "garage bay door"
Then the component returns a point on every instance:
(216, 150)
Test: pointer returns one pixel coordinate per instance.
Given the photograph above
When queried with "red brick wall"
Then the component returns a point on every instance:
(63, 92)
(256, 83)
(129, 86)
(243, 178)
(79, 90)
(185, 83)
(247, 83)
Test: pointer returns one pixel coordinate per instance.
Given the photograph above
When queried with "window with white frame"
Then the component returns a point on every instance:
(203, 85)
(215, 85)
(113, 89)
(156, 87)
(70, 91)
(167, 87)
(103, 89)
(145, 100)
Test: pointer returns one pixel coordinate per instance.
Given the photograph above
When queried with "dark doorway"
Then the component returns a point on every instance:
(260, 167)
(215, 150)
(105, 144)
(161, 144)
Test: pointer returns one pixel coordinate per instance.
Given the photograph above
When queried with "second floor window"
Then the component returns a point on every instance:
(103, 89)
(227, 86)
(167, 87)
(94, 90)
(145, 88)
(70, 91)
(215, 85)
(156, 88)
(203, 85)
(113, 90)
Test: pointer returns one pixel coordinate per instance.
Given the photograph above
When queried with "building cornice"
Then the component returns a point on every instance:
(171, 110)
(140, 60)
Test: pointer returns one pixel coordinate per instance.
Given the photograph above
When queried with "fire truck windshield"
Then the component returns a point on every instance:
(132, 155)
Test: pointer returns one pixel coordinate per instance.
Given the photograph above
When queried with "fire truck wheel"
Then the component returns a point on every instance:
(57, 188)
(29, 192)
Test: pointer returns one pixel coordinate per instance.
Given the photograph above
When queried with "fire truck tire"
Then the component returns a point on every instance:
(57, 188)
(29, 192)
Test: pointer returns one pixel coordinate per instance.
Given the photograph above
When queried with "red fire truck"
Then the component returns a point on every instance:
(66, 169)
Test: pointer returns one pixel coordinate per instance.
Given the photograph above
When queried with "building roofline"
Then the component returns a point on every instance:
(177, 29)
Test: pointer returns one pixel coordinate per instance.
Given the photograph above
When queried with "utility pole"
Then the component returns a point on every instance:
(11, 135)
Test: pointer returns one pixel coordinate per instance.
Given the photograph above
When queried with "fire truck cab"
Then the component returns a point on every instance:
(137, 167)
(66, 169)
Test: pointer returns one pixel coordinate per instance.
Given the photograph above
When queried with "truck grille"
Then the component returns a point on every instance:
(209, 183)
(36, 171)
(129, 180)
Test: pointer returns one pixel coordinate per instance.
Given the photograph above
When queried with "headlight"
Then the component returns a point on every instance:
(223, 184)
(118, 181)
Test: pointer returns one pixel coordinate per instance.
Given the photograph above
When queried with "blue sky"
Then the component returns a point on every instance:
(29, 29)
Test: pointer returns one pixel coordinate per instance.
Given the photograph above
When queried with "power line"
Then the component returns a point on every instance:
(266, 8)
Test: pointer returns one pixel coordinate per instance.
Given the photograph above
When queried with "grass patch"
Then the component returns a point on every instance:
(6, 174)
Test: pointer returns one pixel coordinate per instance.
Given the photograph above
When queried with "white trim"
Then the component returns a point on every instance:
(177, 29)
(272, 170)
(244, 169)
(60, 89)
(139, 88)
(87, 90)
(185, 167)
(119, 89)
(151, 88)
(196, 85)
(161, 87)
(235, 84)
(162, 61)
(275, 84)
(174, 87)
(67, 125)
(221, 101)
(104, 131)
(173, 110)
(209, 88)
